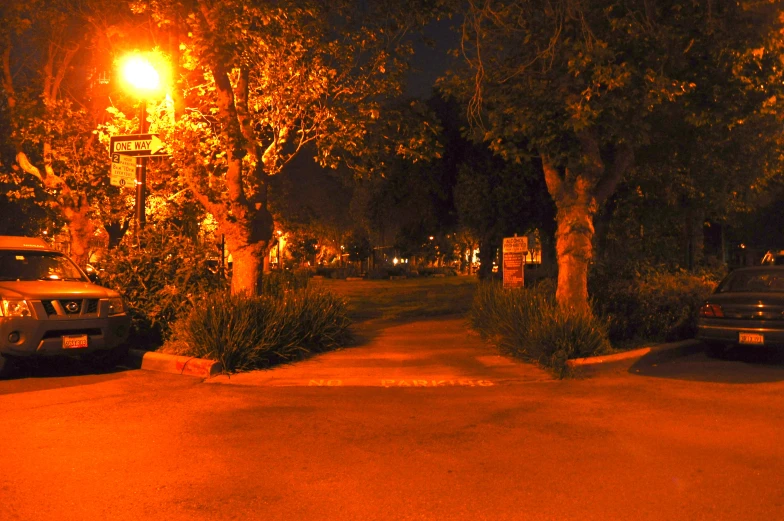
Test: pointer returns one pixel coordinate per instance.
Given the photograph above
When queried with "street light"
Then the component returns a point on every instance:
(145, 82)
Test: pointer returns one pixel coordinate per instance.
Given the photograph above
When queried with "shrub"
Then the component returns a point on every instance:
(245, 332)
(528, 324)
(158, 278)
(656, 305)
(278, 283)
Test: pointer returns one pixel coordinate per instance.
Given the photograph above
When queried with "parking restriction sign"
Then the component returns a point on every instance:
(123, 173)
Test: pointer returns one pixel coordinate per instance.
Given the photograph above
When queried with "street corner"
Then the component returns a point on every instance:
(175, 364)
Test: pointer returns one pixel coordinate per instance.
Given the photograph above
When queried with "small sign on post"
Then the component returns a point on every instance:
(514, 251)
(123, 173)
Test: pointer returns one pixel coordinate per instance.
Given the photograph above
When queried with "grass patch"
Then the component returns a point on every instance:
(404, 299)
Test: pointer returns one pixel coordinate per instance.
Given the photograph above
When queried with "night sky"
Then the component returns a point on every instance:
(430, 62)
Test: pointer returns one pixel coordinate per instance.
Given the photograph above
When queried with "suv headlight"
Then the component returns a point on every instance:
(116, 306)
(15, 308)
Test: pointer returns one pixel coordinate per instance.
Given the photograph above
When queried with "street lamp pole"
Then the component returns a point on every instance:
(141, 173)
(145, 80)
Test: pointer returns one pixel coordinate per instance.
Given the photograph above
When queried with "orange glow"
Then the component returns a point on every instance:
(145, 75)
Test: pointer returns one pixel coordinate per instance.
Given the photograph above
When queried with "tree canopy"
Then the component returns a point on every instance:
(262, 82)
(576, 84)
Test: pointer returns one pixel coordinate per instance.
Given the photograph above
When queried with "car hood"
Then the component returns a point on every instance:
(53, 289)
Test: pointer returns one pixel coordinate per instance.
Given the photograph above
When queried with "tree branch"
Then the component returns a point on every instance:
(624, 159)
(58, 78)
(27, 167)
(243, 113)
(8, 83)
(594, 165)
(552, 178)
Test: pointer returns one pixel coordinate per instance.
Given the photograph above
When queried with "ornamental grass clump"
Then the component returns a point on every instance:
(248, 332)
(528, 324)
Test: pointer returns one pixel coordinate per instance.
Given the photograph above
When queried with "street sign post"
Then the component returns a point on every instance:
(514, 251)
(123, 172)
(137, 145)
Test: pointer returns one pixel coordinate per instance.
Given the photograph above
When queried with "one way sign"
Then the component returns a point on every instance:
(138, 145)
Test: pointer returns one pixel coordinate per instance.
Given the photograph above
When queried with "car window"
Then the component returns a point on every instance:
(752, 282)
(37, 265)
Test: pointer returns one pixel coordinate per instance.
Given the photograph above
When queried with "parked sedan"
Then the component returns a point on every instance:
(747, 308)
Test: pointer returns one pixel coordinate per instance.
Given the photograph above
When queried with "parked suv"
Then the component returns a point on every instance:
(48, 306)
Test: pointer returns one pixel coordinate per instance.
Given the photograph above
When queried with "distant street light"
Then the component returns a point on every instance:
(144, 80)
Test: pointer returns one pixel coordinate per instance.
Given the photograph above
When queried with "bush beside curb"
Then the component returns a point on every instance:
(184, 365)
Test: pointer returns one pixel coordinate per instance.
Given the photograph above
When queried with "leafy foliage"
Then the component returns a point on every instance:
(279, 283)
(585, 85)
(654, 305)
(159, 278)
(245, 332)
(358, 247)
(265, 82)
(52, 102)
(527, 323)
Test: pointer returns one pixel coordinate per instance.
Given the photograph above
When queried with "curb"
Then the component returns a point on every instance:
(674, 349)
(184, 365)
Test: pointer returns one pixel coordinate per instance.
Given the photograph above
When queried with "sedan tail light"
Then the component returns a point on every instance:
(711, 310)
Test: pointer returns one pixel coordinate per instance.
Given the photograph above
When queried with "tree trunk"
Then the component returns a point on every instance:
(694, 230)
(574, 249)
(577, 194)
(81, 230)
(486, 254)
(247, 270)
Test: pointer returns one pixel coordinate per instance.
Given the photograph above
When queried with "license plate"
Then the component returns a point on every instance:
(74, 341)
(751, 338)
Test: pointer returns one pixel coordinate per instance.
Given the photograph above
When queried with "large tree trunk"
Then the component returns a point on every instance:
(577, 194)
(576, 209)
(247, 269)
(244, 219)
(248, 240)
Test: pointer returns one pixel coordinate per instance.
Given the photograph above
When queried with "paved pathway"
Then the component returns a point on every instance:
(431, 353)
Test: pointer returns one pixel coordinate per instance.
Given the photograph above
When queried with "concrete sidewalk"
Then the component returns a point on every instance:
(428, 353)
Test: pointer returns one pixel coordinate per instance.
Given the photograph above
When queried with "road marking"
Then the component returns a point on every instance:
(387, 383)
(437, 383)
(327, 383)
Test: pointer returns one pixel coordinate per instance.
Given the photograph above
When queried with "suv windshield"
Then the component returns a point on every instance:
(37, 265)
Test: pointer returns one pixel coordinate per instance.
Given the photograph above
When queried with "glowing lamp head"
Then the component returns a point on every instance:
(141, 75)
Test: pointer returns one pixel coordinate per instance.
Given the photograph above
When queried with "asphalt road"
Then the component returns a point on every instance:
(421, 421)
